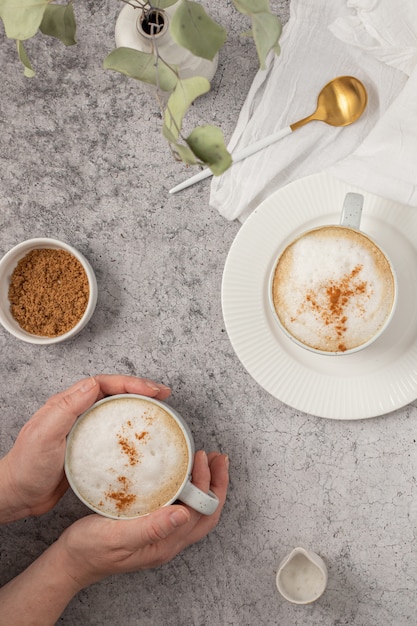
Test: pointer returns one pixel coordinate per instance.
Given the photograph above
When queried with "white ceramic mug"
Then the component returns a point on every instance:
(131, 454)
(333, 290)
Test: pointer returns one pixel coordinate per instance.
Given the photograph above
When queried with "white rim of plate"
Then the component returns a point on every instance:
(372, 382)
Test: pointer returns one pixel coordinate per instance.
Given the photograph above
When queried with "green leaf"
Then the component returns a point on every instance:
(185, 154)
(163, 4)
(249, 7)
(184, 94)
(266, 30)
(207, 143)
(171, 137)
(29, 72)
(59, 21)
(193, 29)
(22, 21)
(266, 27)
(142, 66)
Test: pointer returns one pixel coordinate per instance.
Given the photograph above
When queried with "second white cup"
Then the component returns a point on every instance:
(333, 290)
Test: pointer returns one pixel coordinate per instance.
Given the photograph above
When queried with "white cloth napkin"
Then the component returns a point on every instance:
(374, 40)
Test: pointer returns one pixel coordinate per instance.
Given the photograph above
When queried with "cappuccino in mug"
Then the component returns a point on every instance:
(333, 289)
(129, 455)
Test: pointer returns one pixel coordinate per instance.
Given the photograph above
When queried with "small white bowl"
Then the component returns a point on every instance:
(7, 266)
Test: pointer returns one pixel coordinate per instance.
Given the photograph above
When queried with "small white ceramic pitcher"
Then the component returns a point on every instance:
(301, 576)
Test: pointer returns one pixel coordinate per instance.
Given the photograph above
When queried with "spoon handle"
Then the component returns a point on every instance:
(237, 156)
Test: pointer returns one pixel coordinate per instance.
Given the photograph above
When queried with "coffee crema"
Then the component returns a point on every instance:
(333, 289)
(127, 457)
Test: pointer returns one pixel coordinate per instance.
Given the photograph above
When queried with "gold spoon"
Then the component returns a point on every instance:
(340, 103)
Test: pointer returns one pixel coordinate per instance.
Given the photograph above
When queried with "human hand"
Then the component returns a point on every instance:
(32, 475)
(95, 546)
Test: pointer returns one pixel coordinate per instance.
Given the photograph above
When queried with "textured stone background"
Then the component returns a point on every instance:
(82, 159)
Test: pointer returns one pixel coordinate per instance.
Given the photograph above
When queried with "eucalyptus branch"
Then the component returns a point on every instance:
(165, 108)
(190, 27)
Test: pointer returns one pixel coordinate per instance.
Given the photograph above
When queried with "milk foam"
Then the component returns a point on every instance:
(127, 457)
(333, 289)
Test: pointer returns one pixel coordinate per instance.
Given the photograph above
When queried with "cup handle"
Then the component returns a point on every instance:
(205, 503)
(352, 210)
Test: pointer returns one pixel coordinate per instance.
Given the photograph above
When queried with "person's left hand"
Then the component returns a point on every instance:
(32, 472)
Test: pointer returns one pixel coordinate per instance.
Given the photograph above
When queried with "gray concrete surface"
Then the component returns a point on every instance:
(82, 159)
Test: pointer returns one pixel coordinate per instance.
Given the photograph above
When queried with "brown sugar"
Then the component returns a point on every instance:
(48, 292)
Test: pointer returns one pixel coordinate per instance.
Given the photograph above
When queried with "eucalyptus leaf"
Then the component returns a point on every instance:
(207, 143)
(266, 30)
(168, 134)
(185, 154)
(59, 21)
(248, 7)
(29, 72)
(192, 28)
(184, 94)
(163, 4)
(22, 22)
(142, 66)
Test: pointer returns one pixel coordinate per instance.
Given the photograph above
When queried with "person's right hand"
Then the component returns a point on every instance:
(95, 546)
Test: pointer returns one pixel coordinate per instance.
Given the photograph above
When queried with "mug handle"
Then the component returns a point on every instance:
(205, 503)
(352, 210)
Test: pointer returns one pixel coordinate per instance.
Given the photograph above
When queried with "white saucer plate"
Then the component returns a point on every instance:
(372, 382)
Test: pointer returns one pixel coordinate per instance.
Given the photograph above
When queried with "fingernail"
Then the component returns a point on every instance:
(88, 384)
(153, 386)
(179, 517)
(226, 461)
